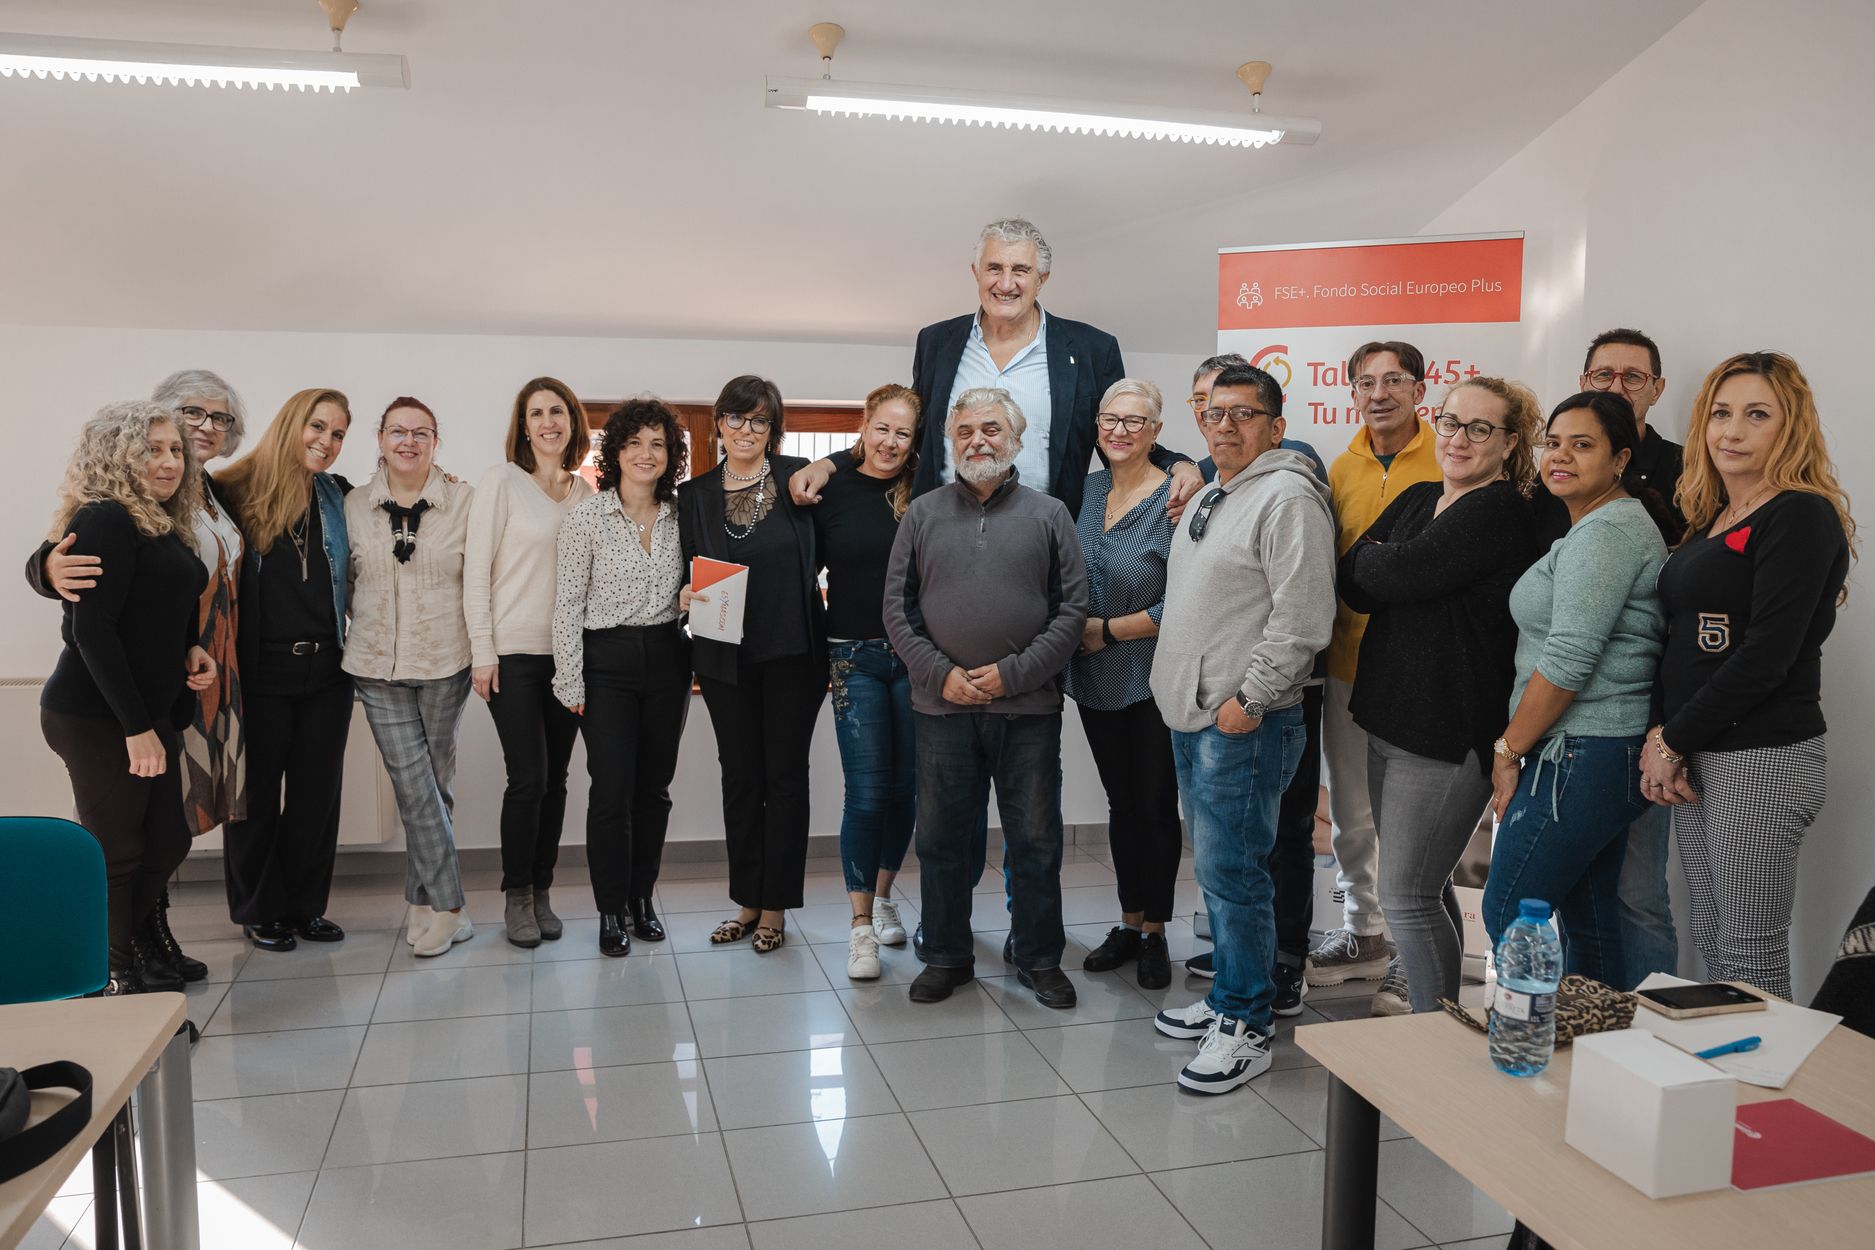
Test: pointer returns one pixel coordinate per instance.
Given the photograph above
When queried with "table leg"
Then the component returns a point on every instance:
(166, 1149)
(1352, 1176)
(104, 1190)
(129, 1198)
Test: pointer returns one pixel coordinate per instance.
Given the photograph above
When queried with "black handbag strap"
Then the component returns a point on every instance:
(27, 1149)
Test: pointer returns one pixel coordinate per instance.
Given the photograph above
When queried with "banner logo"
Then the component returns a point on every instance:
(1274, 360)
(1250, 295)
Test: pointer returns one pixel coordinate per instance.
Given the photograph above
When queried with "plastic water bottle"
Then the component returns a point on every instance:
(1529, 968)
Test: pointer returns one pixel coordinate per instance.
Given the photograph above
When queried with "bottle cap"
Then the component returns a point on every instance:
(1533, 909)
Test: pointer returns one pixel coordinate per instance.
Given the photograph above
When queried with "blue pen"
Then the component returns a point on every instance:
(1739, 1047)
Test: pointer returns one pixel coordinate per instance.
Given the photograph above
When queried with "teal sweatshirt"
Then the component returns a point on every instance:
(1589, 619)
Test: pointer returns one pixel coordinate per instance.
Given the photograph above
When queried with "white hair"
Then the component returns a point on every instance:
(1140, 387)
(201, 384)
(980, 397)
(1016, 230)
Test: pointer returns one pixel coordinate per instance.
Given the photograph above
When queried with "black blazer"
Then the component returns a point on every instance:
(700, 528)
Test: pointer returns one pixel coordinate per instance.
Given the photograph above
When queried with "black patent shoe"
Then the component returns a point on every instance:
(274, 936)
(1155, 962)
(319, 929)
(1122, 946)
(157, 929)
(151, 968)
(645, 924)
(613, 940)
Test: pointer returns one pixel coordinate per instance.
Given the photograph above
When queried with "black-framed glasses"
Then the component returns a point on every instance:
(1236, 416)
(1631, 380)
(1111, 421)
(1367, 382)
(1201, 516)
(755, 421)
(195, 418)
(1475, 431)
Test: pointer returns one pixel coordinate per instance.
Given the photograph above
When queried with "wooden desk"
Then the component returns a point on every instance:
(1505, 1135)
(117, 1039)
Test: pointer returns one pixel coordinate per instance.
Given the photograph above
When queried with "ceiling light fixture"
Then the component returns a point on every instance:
(1025, 112)
(192, 65)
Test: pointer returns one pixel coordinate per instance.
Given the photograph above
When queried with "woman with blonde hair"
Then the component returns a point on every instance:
(1434, 574)
(1737, 744)
(854, 528)
(278, 861)
(128, 676)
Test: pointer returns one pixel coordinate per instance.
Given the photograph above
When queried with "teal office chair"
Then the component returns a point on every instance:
(52, 911)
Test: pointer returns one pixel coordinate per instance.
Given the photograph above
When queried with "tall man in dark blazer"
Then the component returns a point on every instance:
(1048, 364)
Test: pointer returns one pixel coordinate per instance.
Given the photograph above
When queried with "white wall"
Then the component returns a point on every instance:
(57, 376)
(1715, 193)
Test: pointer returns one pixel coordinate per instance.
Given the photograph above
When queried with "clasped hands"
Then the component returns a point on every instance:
(1663, 780)
(973, 687)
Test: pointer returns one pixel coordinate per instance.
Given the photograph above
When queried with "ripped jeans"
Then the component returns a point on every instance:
(1562, 839)
(872, 721)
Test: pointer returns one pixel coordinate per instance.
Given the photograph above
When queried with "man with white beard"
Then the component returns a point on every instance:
(985, 597)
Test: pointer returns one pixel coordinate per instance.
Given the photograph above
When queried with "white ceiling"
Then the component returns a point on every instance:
(605, 167)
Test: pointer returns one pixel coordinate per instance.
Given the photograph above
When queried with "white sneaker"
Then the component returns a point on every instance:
(1392, 999)
(1190, 1022)
(416, 922)
(885, 922)
(862, 954)
(1230, 1054)
(446, 929)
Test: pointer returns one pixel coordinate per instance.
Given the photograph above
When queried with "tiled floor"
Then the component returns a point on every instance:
(353, 1097)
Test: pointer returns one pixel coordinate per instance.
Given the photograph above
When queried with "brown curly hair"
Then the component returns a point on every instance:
(644, 412)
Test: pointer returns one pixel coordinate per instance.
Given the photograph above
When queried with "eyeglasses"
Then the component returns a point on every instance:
(422, 438)
(1475, 431)
(1367, 383)
(1236, 416)
(1111, 421)
(1201, 519)
(1199, 401)
(195, 418)
(736, 420)
(1631, 379)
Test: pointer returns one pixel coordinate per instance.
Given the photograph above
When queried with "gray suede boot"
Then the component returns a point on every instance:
(523, 929)
(550, 925)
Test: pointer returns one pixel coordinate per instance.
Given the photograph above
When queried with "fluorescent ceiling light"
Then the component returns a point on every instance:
(937, 104)
(185, 64)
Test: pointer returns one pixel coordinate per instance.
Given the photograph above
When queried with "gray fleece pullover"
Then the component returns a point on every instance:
(1249, 605)
(997, 581)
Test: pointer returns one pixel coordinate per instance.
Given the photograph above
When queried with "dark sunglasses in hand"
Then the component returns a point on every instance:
(1201, 517)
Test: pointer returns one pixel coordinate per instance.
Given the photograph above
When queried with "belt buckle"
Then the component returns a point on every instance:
(305, 648)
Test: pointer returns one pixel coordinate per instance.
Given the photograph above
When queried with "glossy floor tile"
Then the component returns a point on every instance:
(918, 1226)
(430, 1120)
(962, 1071)
(434, 1050)
(247, 1064)
(582, 1193)
(471, 1203)
(1017, 1145)
(829, 1165)
(1123, 1211)
(257, 1136)
(798, 1086)
(1273, 1204)
(579, 1107)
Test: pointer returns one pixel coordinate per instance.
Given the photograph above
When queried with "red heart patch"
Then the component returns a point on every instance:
(1737, 539)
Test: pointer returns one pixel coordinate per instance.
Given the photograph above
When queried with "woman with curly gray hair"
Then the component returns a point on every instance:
(131, 668)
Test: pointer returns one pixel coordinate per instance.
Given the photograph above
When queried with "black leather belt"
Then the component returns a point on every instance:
(296, 648)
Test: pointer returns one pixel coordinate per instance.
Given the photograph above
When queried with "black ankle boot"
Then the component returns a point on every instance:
(150, 968)
(165, 944)
(645, 921)
(613, 940)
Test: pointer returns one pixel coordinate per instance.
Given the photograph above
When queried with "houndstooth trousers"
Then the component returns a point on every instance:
(1738, 845)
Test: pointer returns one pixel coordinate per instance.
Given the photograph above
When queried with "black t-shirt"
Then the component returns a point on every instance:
(854, 529)
(1747, 612)
(774, 617)
(296, 601)
(127, 638)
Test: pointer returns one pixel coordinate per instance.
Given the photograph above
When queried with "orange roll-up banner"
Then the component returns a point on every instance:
(1298, 310)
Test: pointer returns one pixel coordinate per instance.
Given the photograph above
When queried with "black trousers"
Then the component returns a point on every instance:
(537, 734)
(1292, 861)
(764, 723)
(278, 862)
(138, 821)
(1132, 748)
(637, 696)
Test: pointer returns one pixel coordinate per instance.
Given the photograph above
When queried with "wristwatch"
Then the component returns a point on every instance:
(1502, 750)
(1251, 708)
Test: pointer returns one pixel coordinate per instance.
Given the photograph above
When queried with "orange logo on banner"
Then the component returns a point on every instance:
(1461, 280)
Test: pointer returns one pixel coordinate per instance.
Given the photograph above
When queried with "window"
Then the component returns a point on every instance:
(813, 430)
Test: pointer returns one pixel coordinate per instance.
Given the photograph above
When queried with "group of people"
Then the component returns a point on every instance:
(1563, 622)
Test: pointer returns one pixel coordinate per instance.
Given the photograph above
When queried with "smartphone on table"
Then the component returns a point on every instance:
(1711, 998)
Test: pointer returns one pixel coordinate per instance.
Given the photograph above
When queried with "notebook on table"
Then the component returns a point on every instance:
(1784, 1142)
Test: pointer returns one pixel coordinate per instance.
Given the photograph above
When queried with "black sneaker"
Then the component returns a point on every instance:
(1291, 989)
(1155, 962)
(1122, 946)
(1201, 966)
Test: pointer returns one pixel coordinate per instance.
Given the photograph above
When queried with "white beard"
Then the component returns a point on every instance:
(977, 472)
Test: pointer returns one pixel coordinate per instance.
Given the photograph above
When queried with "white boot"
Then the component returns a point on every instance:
(446, 929)
(416, 922)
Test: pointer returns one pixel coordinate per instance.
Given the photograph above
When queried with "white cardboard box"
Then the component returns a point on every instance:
(1656, 1117)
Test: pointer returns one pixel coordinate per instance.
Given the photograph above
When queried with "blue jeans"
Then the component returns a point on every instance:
(1232, 785)
(872, 721)
(1562, 839)
(1648, 941)
(958, 757)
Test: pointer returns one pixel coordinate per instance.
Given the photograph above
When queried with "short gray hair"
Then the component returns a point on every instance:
(1217, 364)
(1140, 387)
(1016, 230)
(201, 384)
(979, 397)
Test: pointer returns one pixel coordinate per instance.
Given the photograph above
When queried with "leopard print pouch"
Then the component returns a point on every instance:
(1583, 1006)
